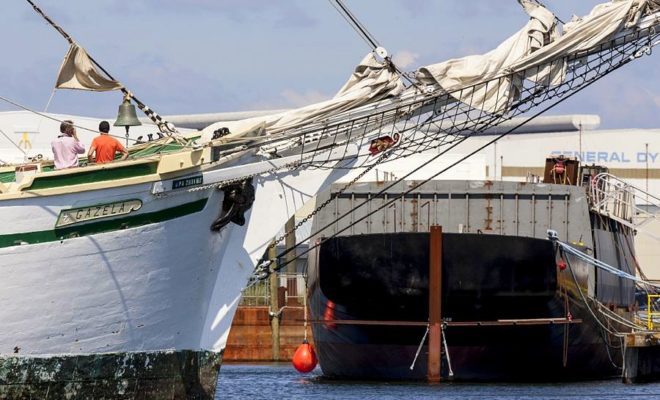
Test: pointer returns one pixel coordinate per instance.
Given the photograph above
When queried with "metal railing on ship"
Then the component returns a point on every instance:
(623, 202)
(259, 294)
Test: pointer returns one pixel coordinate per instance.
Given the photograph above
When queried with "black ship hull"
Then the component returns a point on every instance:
(376, 278)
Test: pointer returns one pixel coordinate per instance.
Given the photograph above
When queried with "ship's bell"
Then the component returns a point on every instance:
(126, 115)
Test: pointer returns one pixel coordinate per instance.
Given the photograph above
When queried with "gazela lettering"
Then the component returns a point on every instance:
(83, 214)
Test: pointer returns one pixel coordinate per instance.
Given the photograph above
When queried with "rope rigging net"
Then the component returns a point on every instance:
(421, 121)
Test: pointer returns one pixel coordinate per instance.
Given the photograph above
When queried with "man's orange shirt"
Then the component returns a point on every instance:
(106, 147)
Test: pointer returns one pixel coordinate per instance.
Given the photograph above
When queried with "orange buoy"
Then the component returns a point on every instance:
(304, 359)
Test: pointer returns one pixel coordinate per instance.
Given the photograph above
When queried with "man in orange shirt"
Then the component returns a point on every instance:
(105, 146)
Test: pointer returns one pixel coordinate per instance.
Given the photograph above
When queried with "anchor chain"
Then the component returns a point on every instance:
(263, 270)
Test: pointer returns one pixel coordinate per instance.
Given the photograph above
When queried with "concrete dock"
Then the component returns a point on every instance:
(641, 358)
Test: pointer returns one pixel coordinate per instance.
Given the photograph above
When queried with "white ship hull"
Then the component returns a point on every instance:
(142, 296)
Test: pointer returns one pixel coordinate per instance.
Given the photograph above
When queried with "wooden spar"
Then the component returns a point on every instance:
(274, 311)
(290, 244)
(435, 303)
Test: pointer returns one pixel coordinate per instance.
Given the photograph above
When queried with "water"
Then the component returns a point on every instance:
(281, 381)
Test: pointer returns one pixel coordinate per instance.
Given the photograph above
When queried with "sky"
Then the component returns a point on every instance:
(201, 56)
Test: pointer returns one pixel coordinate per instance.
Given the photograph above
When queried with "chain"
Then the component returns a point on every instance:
(241, 178)
(328, 201)
(261, 271)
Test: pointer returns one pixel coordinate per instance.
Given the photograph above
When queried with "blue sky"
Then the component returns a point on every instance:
(199, 56)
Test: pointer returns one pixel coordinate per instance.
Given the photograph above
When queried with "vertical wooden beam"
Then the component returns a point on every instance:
(290, 243)
(274, 311)
(435, 303)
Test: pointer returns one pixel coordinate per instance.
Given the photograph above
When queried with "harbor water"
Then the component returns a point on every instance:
(281, 381)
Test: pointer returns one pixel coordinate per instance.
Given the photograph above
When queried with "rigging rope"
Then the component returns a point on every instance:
(444, 342)
(599, 264)
(602, 326)
(14, 143)
(418, 184)
(53, 118)
(454, 118)
(371, 41)
(265, 261)
(355, 23)
(419, 348)
(51, 22)
(586, 302)
(52, 94)
(446, 111)
(164, 126)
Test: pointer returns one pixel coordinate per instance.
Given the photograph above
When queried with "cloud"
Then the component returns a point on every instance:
(177, 88)
(288, 98)
(417, 8)
(405, 58)
(296, 99)
(653, 97)
(277, 13)
(480, 8)
(623, 100)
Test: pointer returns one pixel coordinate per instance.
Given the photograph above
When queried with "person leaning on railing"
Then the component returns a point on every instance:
(104, 146)
(67, 146)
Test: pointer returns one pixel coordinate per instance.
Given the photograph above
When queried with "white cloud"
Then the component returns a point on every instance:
(287, 99)
(405, 58)
(655, 98)
(296, 99)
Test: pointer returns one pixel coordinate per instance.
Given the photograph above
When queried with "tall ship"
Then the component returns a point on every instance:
(522, 296)
(122, 279)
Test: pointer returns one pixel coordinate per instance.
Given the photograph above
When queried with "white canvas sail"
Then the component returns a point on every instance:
(79, 72)
(372, 80)
(583, 34)
(537, 47)
(456, 74)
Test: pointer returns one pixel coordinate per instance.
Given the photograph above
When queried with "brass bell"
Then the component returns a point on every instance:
(126, 115)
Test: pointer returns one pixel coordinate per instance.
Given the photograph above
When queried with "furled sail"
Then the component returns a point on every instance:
(583, 34)
(491, 82)
(371, 81)
(537, 65)
(495, 97)
(79, 72)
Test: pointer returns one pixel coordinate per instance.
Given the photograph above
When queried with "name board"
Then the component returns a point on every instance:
(185, 182)
(84, 214)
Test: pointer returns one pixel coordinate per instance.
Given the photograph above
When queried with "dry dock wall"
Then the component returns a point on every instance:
(251, 336)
